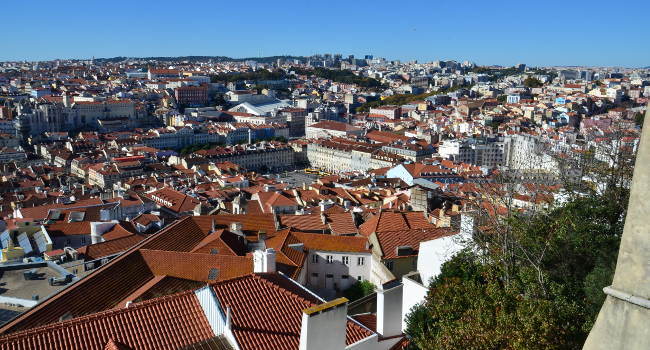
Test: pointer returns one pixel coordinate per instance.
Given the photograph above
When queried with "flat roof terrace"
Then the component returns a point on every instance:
(13, 283)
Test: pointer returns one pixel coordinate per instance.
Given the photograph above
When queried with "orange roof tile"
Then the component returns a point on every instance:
(168, 322)
(267, 311)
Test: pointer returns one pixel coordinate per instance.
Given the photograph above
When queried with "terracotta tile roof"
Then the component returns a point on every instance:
(274, 199)
(342, 224)
(390, 240)
(120, 230)
(164, 285)
(333, 243)
(164, 323)
(112, 345)
(289, 260)
(100, 250)
(173, 200)
(221, 242)
(115, 281)
(145, 219)
(216, 343)
(40, 212)
(68, 229)
(195, 266)
(251, 224)
(369, 320)
(332, 125)
(309, 223)
(267, 311)
(393, 221)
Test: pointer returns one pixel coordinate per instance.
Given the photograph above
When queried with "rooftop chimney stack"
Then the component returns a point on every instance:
(236, 228)
(264, 261)
(389, 309)
(324, 326)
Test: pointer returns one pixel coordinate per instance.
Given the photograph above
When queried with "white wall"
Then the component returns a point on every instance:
(337, 268)
(400, 172)
(413, 293)
(389, 311)
(325, 329)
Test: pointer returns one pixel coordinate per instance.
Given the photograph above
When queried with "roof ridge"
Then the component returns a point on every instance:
(96, 315)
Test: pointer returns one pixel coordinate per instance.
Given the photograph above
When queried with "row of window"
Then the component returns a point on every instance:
(329, 259)
(329, 275)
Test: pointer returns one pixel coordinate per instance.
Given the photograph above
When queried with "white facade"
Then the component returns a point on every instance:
(338, 270)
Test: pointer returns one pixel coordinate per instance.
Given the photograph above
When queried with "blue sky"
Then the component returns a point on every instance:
(570, 32)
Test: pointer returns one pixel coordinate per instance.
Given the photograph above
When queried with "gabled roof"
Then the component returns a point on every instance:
(289, 260)
(164, 323)
(173, 200)
(309, 223)
(103, 249)
(333, 125)
(166, 253)
(341, 223)
(267, 311)
(333, 243)
(389, 241)
(384, 221)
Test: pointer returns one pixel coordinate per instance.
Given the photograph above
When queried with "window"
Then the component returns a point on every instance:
(360, 261)
(329, 259)
(346, 260)
(329, 275)
(314, 259)
(359, 278)
(314, 274)
(389, 265)
(344, 277)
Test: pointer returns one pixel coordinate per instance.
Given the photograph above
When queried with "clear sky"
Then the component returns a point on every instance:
(569, 32)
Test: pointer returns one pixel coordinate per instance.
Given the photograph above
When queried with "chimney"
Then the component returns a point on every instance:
(389, 309)
(212, 227)
(261, 235)
(264, 261)
(236, 228)
(323, 218)
(324, 326)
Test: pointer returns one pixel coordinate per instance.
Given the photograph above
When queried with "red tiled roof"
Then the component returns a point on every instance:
(100, 250)
(165, 323)
(341, 223)
(290, 260)
(173, 200)
(304, 222)
(332, 125)
(390, 240)
(333, 243)
(116, 281)
(41, 212)
(393, 221)
(267, 311)
(195, 266)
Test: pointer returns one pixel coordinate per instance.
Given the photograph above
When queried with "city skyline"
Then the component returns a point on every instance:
(560, 34)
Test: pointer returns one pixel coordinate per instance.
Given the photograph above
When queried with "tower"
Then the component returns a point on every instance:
(624, 317)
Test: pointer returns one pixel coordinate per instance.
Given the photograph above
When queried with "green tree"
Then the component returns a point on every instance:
(359, 290)
(533, 82)
(541, 290)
